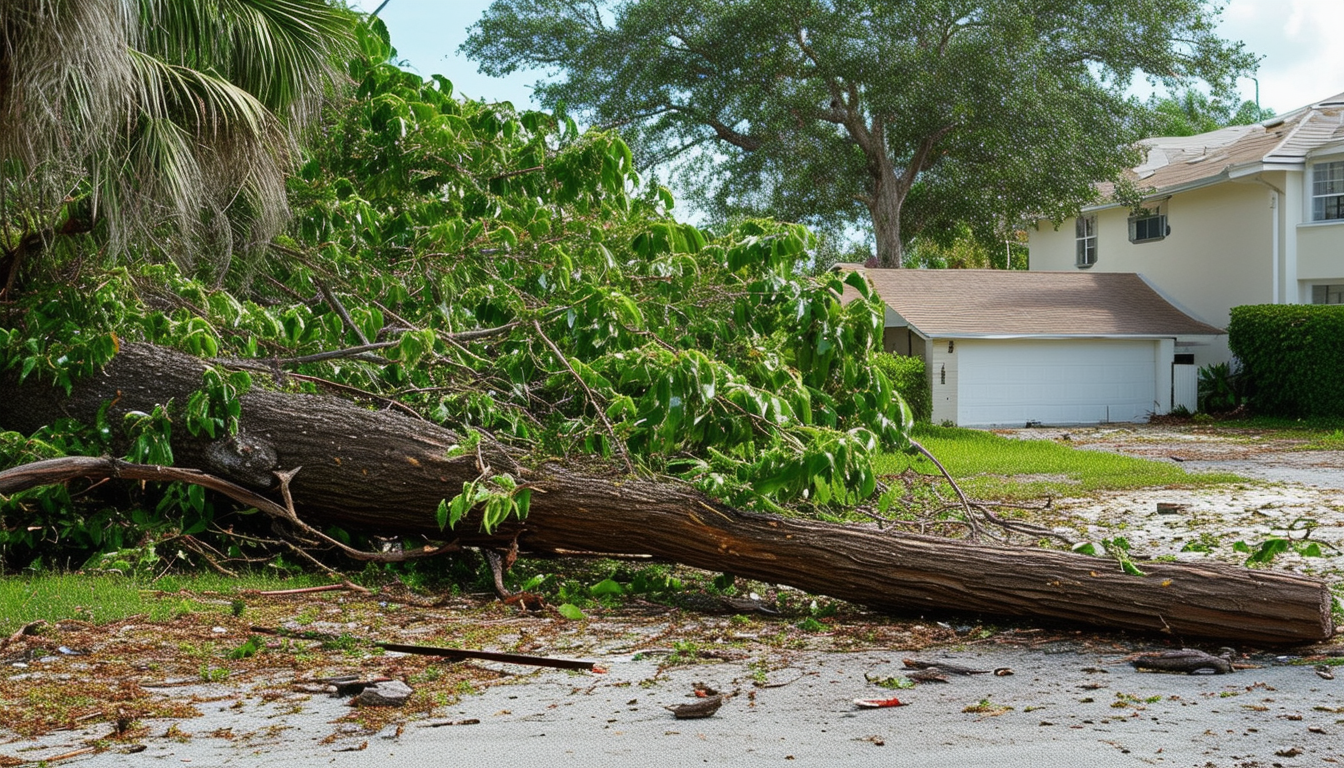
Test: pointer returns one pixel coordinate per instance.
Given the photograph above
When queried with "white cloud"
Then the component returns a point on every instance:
(1299, 40)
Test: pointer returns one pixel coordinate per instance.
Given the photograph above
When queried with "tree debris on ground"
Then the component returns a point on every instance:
(1188, 660)
(392, 480)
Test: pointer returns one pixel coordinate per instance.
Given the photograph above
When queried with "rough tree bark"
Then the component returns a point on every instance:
(385, 472)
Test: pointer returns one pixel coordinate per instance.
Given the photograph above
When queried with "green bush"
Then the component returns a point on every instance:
(1292, 356)
(907, 376)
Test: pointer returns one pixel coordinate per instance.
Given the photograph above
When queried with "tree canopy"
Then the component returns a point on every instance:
(1194, 112)
(499, 272)
(900, 116)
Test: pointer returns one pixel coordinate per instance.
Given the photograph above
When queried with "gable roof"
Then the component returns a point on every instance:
(1175, 162)
(992, 303)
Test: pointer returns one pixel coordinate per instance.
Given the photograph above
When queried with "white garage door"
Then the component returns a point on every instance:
(1055, 382)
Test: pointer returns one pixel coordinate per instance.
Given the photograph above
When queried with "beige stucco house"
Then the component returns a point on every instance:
(1243, 215)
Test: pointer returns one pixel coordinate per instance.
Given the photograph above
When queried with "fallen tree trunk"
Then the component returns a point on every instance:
(386, 472)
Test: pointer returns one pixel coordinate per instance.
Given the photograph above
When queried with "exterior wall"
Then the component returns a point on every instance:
(1320, 254)
(942, 367)
(1219, 254)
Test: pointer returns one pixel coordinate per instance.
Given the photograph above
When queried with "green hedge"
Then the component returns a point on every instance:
(907, 376)
(1293, 357)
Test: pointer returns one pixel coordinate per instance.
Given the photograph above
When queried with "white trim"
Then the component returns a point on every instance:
(1321, 223)
(1326, 152)
(1066, 336)
(1311, 195)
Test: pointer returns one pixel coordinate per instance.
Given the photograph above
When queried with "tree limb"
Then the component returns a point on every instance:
(592, 398)
(60, 470)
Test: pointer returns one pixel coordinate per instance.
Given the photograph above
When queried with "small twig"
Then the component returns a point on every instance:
(787, 682)
(442, 723)
(336, 354)
(592, 398)
(966, 505)
(1029, 529)
(68, 755)
(308, 590)
(511, 174)
(27, 629)
(306, 555)
(336, 304)
(210, 562)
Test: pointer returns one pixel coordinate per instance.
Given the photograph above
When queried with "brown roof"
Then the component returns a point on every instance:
(1174, 161)
(989, 303)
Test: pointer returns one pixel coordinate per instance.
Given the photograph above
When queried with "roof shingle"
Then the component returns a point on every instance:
(998, 303)
(1174, 161)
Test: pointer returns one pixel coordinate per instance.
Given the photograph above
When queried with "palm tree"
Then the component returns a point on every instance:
(160, 123)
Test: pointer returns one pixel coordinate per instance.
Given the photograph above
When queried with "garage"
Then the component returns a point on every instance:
(1064, 381)
(1010, 348)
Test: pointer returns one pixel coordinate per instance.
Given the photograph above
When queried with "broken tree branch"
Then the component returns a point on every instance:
(340, 310)
(447, 653)
(965, 504)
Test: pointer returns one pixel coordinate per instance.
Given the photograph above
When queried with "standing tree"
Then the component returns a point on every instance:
(905, 115)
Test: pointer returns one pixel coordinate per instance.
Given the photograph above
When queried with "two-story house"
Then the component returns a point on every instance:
(1249, 214)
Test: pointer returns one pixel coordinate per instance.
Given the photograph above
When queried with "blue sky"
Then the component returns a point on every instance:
(1302, 63)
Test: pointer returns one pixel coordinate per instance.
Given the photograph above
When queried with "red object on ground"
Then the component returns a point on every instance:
(879, 703)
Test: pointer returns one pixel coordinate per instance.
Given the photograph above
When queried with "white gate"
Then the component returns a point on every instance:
(1185, 386)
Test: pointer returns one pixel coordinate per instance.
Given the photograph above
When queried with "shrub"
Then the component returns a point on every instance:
(1292, 356)
(1221, 388)
(907, 376)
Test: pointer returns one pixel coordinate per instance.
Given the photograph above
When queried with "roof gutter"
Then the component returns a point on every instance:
(1060, 336)
(1163, 192)
(1230, 173)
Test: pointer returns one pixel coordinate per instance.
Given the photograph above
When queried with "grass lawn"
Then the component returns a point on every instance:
(988, 466)
(100, 599)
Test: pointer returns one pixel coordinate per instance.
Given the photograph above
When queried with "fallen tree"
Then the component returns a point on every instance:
(387, 472)
(636, 381)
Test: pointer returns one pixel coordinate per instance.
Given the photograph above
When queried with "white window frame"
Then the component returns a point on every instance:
(1154, 224)
(1327, 294)
(1085, 237)
(1327, 191)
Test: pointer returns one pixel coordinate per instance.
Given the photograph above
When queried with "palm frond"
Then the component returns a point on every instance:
(63, 81)
(163, 113)
(284, 52)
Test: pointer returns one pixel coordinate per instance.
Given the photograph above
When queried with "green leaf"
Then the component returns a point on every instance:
(441, 515)
(570, 611)
(606, 587)
(1311, 549)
